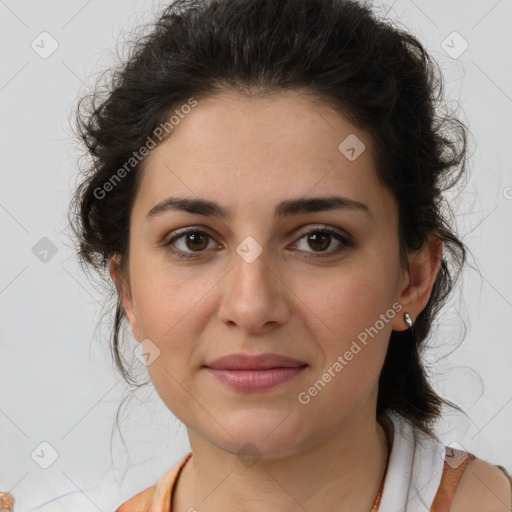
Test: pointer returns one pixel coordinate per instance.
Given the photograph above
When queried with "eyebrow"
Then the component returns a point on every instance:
(283, 209)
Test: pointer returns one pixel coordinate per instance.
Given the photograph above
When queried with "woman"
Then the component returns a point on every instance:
(266, 195)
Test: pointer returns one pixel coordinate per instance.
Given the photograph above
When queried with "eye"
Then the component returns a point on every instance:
(321, 238)
(194, 239)
(197, 241)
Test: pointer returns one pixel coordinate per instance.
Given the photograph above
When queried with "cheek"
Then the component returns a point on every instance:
(174, 306)
(344, 302)
(166, 298)
(350, 315)
(353, 352)
(169, 310)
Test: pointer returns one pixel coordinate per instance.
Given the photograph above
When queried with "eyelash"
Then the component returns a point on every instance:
(346, 242)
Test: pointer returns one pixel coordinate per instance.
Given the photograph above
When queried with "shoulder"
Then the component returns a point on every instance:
(141, 502)
(156, 498)
(482, 487)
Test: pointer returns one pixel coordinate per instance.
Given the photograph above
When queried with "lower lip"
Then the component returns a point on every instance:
(256, 380)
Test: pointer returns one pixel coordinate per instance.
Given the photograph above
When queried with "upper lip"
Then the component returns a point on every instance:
(243, 361)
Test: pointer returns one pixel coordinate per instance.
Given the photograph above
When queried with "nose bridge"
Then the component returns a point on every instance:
(254, 295)
(252, 268)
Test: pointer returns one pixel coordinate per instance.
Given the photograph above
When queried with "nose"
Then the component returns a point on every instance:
(255, 294)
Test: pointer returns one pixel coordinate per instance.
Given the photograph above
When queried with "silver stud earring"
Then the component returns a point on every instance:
(407, 320)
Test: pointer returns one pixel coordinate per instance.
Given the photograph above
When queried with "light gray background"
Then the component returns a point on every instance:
(58, 385)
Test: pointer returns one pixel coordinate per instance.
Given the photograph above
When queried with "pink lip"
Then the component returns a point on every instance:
(256, 380)
(243, 361)
(247, 372)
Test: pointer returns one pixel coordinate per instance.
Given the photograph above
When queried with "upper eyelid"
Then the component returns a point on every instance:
(321, 227)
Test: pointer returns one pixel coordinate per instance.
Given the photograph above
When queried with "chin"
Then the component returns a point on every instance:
(268, 434)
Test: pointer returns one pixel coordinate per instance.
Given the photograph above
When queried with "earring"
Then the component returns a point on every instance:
(407, 320)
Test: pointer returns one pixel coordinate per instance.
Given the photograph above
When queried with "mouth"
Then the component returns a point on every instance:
(246, 361)
(255, 380)
(254, 372)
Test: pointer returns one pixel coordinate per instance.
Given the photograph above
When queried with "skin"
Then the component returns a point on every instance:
(248, 155)
(482, 487)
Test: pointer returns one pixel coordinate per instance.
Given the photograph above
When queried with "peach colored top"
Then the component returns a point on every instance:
(416, 479)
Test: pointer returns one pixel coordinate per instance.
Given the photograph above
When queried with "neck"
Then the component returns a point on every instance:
(342, 472)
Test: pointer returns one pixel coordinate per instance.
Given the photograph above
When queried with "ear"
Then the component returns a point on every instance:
(424, 266)
(124, 291)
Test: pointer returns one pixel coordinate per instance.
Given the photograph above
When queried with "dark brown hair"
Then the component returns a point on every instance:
(339, 51)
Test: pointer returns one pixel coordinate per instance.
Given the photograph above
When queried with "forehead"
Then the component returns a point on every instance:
(259, 151)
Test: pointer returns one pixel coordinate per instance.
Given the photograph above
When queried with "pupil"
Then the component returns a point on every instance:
(314, 237)
(194, 237)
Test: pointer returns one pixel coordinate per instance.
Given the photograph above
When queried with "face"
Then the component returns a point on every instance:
(310, 285)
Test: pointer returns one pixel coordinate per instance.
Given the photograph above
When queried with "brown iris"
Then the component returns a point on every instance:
(195, 237)
(316, 237)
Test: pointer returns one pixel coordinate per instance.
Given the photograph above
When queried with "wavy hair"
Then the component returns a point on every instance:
(339, 51)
